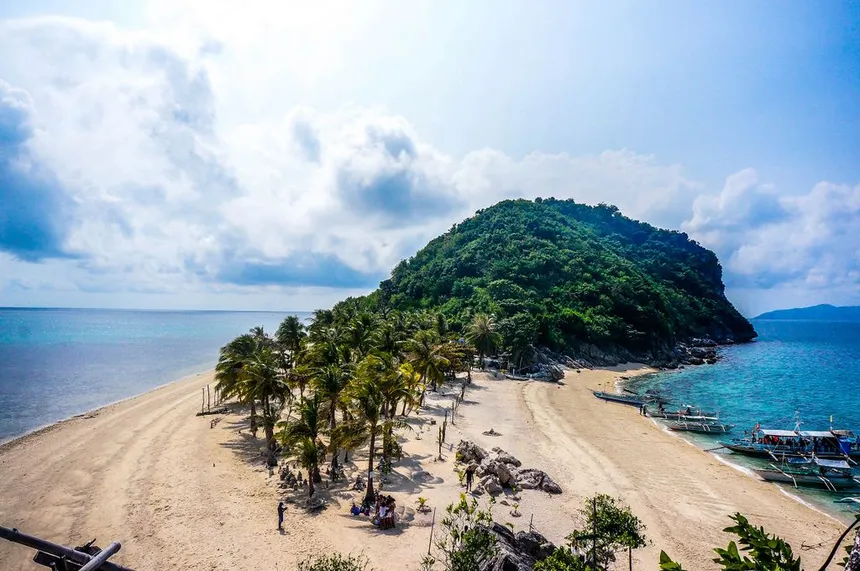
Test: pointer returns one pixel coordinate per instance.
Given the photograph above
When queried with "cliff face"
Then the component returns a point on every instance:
(579, 280)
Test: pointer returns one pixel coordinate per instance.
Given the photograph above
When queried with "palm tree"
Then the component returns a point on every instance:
(231, 372)
(366, 418)
(264, 382)
(290, 335)
(305, 427)
(329, 382)
(426, 358)
(309, 453)
(360, 334)
(483, 336)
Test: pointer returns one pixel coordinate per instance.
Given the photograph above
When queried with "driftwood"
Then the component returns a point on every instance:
(216, 411)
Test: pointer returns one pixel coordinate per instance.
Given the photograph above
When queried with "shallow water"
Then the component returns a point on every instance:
(796, 369)
(56, 363)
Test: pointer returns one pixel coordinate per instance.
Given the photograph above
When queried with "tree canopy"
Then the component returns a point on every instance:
(560, 274)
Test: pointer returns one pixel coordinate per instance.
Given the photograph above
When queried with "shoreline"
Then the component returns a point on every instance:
(51, 426)
(181, 491)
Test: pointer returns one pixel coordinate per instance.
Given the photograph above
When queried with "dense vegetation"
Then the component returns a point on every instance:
(345, 381)
(569, 276)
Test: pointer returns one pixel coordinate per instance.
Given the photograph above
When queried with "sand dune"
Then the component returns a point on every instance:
(180, 494)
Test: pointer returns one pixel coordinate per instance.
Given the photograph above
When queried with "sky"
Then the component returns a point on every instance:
(208, 154)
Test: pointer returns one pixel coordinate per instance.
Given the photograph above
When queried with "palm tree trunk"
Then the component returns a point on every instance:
(254, 418)
(369, 495)
(311, 488)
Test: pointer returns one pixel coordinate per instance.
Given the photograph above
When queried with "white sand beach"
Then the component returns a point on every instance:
(181, 494)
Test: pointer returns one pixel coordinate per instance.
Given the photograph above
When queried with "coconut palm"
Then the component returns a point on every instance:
(483, 336)
(309, 453)
(265, 383)
(426, 358)
(231, 372)
(329, 382)
(290, 336)
(366, 420)
(360, 335)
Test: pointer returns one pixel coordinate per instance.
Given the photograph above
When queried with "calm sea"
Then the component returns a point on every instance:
(56, 363)
(802, 370)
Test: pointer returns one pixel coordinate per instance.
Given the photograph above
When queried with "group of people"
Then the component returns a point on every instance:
(384, 514)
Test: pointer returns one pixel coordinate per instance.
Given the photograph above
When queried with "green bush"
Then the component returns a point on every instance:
(335, 562)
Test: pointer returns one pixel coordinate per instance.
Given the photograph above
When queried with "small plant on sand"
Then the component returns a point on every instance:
(516, 511)
(422, 505)
(461, 475)
(335, 562)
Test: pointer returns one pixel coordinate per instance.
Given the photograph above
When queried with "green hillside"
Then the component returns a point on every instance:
(570, 276)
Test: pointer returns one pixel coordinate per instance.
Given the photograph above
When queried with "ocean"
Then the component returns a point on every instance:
(56, 363)
(802, 371)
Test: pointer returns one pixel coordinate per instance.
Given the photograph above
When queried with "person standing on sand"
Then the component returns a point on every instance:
(470, 475)
(281, 509)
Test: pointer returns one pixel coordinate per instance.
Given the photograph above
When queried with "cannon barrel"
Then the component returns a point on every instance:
(62, 551)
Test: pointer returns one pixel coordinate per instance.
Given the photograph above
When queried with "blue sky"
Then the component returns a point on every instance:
(284, 155)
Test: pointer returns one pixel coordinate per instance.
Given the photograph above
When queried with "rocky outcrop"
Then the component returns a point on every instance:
(516, 552)
(499, 469)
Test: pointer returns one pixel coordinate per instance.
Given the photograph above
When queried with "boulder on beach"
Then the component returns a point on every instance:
(468, 452)
(516, 552)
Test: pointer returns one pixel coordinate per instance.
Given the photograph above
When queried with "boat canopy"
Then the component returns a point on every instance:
(841, 464)
(779, 433)
(816, 434)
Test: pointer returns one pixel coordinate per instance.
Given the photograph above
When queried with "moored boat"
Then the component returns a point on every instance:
(816, 472)
(623, 399)
(826, 444)
(700, 427)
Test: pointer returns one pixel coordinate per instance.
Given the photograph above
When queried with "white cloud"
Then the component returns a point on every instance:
(809, 241)
(175, 192)
(170, 199)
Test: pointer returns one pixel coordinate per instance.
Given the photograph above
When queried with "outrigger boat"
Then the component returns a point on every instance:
(700, 427)
(825, 444)
(688, 413)
(623, 399)
(832, 475)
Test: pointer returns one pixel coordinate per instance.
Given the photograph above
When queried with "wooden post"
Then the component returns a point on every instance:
(203, 403)
(208, 399)
(531, 523)
(432, 525)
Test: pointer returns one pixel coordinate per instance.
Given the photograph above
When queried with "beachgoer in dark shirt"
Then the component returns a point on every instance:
(470, 476)
(281, 509)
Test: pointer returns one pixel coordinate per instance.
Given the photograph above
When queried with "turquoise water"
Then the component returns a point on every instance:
(56, 363)
(796, 368)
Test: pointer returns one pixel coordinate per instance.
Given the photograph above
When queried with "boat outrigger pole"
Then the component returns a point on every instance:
(62, 558)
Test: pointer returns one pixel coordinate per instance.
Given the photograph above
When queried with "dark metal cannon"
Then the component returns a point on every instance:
(87, 557)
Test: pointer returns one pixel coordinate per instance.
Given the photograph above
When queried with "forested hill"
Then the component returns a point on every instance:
(570, 277)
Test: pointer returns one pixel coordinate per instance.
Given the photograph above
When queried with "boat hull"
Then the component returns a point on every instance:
(771, 451)
(620, 399)
(715, 429)
(808, 480)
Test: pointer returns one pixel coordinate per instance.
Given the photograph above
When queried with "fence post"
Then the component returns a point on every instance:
(432, 525)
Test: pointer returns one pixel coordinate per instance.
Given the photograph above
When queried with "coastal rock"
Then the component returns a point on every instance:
(491, 484)
(506, 458)
(549, 486)
(517, 552)
(468, 452)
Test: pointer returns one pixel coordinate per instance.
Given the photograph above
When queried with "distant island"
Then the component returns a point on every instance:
(584, 281)
(823, 312)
